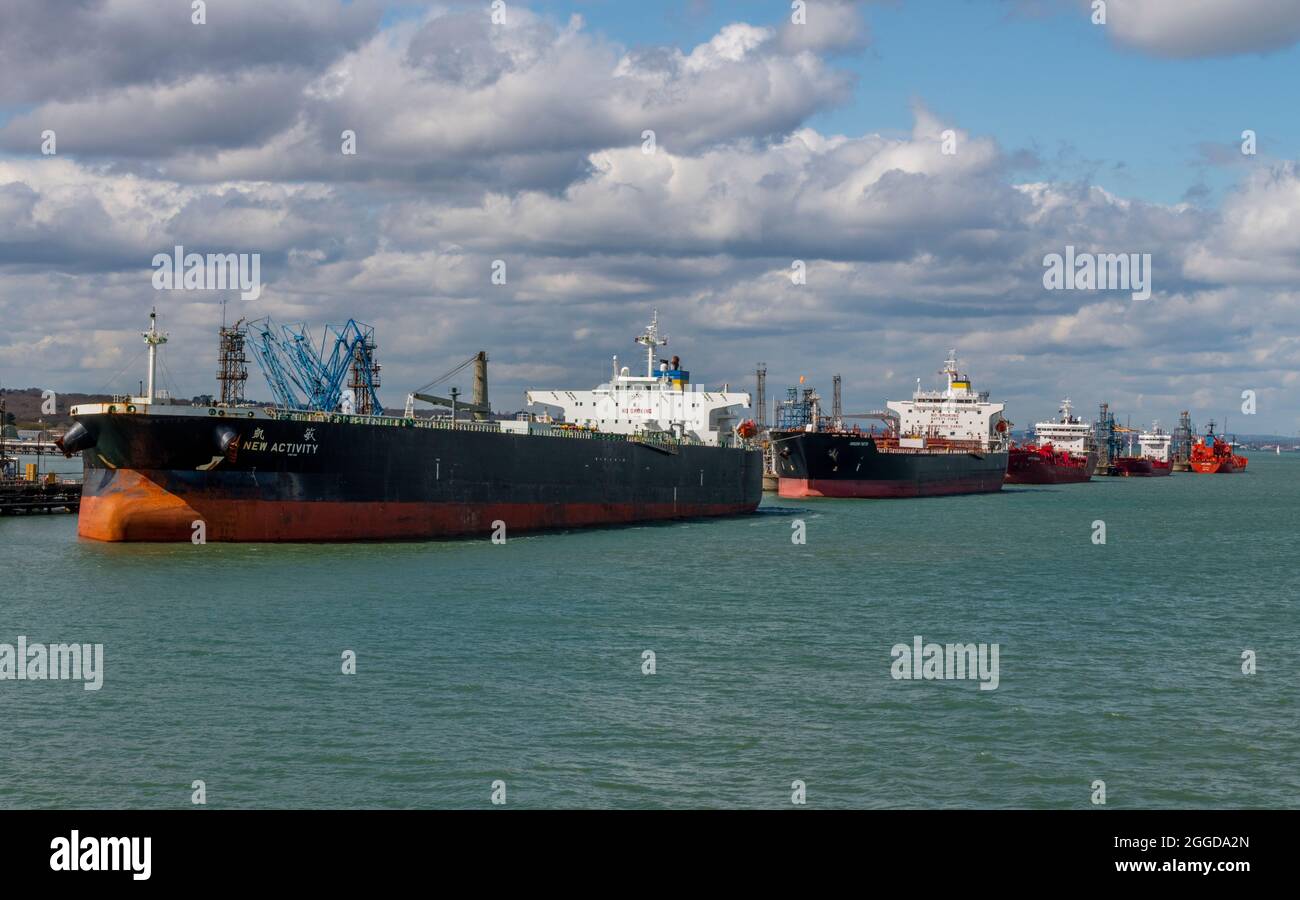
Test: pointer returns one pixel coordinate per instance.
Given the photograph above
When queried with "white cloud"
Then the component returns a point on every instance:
(1257, 240)
(70, 49)
(451, 102)
(1202, 28)
(524, 144)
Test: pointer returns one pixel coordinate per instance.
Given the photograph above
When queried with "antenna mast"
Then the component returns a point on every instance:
(950, 367)
(651, 340)
(153, 337)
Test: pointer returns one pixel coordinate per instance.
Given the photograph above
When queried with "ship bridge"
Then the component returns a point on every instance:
(663, 401)
(1155, 443)
(1068, 433)
(954, 413)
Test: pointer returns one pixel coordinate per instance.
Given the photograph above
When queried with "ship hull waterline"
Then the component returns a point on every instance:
(160, 478)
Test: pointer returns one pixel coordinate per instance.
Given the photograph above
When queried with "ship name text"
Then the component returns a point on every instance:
(279, 447)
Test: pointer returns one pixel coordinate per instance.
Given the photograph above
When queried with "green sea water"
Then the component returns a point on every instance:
(524, 663)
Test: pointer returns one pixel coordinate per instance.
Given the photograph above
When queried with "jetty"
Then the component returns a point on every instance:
(49, 496)
(33, 492)
(16, 447)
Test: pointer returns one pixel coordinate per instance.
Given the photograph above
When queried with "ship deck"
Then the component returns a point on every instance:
(655, 440)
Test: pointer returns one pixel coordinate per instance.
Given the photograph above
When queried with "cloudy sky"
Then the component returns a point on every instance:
(774, 141)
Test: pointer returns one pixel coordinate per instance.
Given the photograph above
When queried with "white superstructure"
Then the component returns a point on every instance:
(955, 413)
(1155, 443)
(663, 401)
(1069, 433)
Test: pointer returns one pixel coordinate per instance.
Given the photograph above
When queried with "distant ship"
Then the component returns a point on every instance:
(1152, 459)
(1213, 455)
(637, 448)
(1063, 452)
(949, 441)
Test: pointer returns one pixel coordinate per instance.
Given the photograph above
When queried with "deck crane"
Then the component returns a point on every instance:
(480, 406)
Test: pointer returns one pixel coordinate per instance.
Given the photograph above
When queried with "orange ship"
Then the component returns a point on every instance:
(1212, 454)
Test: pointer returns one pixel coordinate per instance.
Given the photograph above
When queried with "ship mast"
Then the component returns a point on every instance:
(153, 337)
(950, 369)
(651, 340)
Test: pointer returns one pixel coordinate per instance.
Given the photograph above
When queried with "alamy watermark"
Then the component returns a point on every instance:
(102, 854)
(56, 662)
(946, 662)
(1098, 272)
(181, 271)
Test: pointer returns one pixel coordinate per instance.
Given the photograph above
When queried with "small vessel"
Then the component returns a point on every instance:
(949, 441)
(1062, 453)
(1152, 458)
(1213, 455)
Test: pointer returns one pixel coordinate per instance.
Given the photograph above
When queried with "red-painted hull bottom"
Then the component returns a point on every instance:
(1059, 475)
(145, 512)
(1214, 467)
(880, 489)
(1043, 472)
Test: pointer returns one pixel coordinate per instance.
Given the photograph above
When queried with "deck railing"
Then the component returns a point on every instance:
(651, 438)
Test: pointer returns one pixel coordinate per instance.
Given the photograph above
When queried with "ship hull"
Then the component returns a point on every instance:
(166, 478)
(853, 466)
(1030, 467)
(1140, 466)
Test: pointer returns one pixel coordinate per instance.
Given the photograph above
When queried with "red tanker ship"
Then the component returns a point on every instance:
(1062, 454)
(1213, 455)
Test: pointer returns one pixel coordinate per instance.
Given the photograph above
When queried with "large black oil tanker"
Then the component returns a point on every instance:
(950, 441)
(634, 449)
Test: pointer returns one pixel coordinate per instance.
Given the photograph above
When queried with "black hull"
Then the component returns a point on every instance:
(846, 465)
(153, 477)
